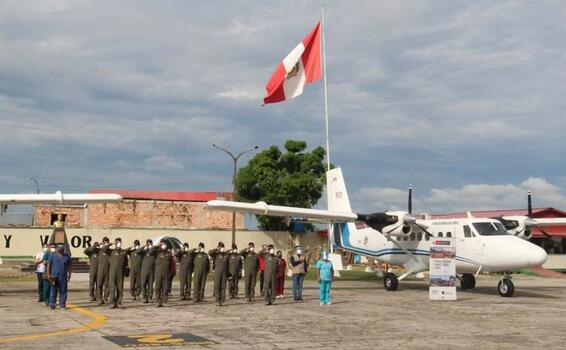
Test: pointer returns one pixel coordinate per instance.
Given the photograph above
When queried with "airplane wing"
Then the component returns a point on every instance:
(59, 198)
(262, 208)
(549, 221)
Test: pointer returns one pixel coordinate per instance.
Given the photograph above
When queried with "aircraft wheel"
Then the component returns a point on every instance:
(505, 287)
(390, 282)
(468, 281)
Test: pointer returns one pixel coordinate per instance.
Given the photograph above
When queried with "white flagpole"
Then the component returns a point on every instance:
(330, 233)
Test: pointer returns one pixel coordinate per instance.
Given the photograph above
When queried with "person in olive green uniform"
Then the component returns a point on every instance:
(251, 268)
(163, 260)
(234, 271)
(202, 266)
(92, 253)
(147, 270)
(102, 291)
(135, 269)
(220, 258)
(186, 257)
(270, 272)
(118, 271)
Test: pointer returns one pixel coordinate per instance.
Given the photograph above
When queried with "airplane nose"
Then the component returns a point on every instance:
(537, 256)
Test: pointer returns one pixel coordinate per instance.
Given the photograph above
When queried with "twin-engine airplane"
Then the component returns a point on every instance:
(399, 238)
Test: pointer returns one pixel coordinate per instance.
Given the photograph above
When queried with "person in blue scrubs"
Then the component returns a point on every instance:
(59, 267)
(325, 277)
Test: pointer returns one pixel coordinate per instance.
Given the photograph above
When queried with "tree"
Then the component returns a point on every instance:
(294, 178)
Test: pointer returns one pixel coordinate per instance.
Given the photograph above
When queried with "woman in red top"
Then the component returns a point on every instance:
(281, 269)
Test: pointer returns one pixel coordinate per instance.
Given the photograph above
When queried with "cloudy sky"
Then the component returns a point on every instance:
(464, 100)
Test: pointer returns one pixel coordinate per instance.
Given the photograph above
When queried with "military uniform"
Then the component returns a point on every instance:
(118, 266)
(220, 274)
(102, 275)
(147, 272)
(135, 272)
(270, 272)
(235, 273)
(186, 267)
(251, 267)
(163, 260)
(92, 253)
(202, 266)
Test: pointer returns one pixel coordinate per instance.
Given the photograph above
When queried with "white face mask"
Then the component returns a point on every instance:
(235, 251)
(45, 249)
(271, 251)
(186, 249)
(164, 246)
(53, 250)
(118, 244)
(136, 247)
(251, 249)
(299, 251)
(221, 249)
(202, 250)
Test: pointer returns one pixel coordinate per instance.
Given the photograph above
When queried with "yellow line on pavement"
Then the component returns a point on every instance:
(98, 320)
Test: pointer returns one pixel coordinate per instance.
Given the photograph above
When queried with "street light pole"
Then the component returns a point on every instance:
(234, 174)
(33, 209)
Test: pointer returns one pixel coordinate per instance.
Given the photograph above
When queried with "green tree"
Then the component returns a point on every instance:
(294, 178)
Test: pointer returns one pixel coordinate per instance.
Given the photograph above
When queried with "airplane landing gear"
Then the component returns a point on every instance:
(390, 282)
(467, 281)
(505, 287)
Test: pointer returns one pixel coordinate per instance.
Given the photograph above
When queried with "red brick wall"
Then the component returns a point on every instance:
(143, 214)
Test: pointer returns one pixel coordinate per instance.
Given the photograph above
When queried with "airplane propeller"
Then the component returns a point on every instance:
(528, 223)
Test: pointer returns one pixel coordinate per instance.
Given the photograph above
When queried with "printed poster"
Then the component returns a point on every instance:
(442, 269)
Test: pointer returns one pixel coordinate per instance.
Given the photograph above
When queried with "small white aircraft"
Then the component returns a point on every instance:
(399, 238)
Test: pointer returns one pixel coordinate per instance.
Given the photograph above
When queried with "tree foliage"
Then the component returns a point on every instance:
(294, 178)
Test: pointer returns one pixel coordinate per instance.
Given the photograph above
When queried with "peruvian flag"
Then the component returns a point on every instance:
(301, 66)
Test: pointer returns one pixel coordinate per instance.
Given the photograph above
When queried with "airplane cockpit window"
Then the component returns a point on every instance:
(490, 228)
(467, 231)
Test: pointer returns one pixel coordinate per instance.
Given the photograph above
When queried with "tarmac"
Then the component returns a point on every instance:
(362, 316)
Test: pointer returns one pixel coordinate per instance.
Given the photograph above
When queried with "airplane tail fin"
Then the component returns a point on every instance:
(336, 191)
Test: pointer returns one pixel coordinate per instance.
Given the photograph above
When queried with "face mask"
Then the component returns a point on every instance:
(186, 249)
(52, 250)
(150, 245)
(45, 250)
(202, 250)
(136, 247)
(251, 249)
(270, 251)
(222, 250)
(299, 252)
(118, 245)
(235, 251)
(163, 246)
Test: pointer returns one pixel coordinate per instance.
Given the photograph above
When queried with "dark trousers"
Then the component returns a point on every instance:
(270, 282)
(220, 279)
(234, 285)
(59, 288)
(161, 283)
(46, 291)
(135, 282)
(261, 281)
(185, 279)
(40, 285)
(250, 280)
(147, 284)
(298, 279)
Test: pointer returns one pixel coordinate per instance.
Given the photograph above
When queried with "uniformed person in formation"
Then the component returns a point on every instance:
(220, 257)
(163, 261)
(92, 253)
(118, 271)
(251, 268)
(234, 271)
(135, 269)
(102, 291)
(186, 259)
(270, 273)
(202, 266)
(147, 270)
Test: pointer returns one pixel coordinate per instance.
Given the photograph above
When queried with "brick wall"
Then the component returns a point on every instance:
(141, 214)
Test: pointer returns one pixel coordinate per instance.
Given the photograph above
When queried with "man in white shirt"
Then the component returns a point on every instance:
(40, 271)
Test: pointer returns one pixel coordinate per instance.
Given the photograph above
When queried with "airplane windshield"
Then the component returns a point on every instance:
(490, 228)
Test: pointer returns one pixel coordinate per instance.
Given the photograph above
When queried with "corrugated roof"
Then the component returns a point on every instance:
(167, 196)
(540, 212)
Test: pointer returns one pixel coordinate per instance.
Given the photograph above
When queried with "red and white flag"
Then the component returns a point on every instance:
(301, 66)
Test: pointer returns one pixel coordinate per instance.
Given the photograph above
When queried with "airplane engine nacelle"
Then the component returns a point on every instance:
(398, 230)
(518, 226)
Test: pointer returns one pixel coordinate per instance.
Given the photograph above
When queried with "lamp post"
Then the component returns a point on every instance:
(235, 161)
(33, 209)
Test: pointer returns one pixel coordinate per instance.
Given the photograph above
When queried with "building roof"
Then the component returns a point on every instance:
(168, 196)
(537, 212)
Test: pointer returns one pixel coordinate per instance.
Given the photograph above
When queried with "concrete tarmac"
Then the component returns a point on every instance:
(362, 316)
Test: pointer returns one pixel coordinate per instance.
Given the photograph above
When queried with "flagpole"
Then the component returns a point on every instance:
(330, 233)
(325, 90)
